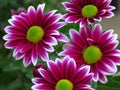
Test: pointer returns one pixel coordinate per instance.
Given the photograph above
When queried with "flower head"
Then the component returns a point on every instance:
(87, 11)
(96, 49)
(17, 12)
(63, 75)
(33, 33)
(35, 69)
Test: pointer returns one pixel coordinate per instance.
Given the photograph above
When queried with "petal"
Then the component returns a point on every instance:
(11, 44)
(108, 15)
(51, 21)
(41, 7)
(95, 70)
(48, 48)
(54, 69)
(110, 47)
(66, 4)
(50, 40)
(27, 59)
(110, 8)
(42, 87)
(26, 47)
(19, 56)
(97, 31)
(83, 22)
(21, 20)
(83, 87)
(38, 80)
(61, 37)
(107, 67)
(47, 76)
(31, 15)
(105, 37)
(76, 38)
(50, 14)
(40, 14)
(34, 55)
(11, 30)
(42, 53)
(102, 78)
(55, 26)
(70, 69)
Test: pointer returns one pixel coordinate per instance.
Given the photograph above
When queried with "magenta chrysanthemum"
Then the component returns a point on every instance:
(17, 12)
(35, 70)
(63, 75)
(87, 11)
(33, 33)
(96, 49)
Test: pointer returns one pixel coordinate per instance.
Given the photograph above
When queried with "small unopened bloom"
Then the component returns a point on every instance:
(35, 70)
(17, 12)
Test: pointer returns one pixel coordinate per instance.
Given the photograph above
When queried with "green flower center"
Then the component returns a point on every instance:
(35, 34)
(89, 11)
(92, 54)
(64, 85)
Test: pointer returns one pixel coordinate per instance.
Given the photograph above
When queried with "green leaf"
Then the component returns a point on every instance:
(3, 3)
(112, 84)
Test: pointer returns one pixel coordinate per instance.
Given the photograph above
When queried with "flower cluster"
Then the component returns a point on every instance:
(88, 56)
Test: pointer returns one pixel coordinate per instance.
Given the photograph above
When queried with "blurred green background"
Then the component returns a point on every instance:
(13, 75)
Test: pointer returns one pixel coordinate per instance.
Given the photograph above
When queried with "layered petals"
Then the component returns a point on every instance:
(33, 34)
(89, 45)
(64, 69)
(76, 14)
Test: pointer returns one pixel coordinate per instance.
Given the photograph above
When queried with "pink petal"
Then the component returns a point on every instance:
(103, 78)
(14, 31)
(54, 69)
(27, 59)
(50, 40)
(47, 76)
(34, 55)
(62, 38)
(96, 33)
(108, 15)
(76, 38)
(52, 20)
(48, 48)
(42, 53)
(31, 15)
(19, 56)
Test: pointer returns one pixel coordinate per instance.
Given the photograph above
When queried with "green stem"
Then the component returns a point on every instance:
(94, 85)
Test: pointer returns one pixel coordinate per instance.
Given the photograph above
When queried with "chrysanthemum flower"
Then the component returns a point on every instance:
(33, 33)
(63, 75)
(87, 11)
(96, 49)
(35, 69)
(17, 12)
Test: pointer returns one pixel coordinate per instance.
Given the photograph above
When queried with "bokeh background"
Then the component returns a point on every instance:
(13, 75)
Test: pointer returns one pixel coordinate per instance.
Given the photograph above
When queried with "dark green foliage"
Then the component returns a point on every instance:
(112, 84)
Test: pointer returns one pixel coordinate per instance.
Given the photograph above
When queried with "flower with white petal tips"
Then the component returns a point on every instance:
(63, 75)
(96, 49)
(33, 33)
(87, 11)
